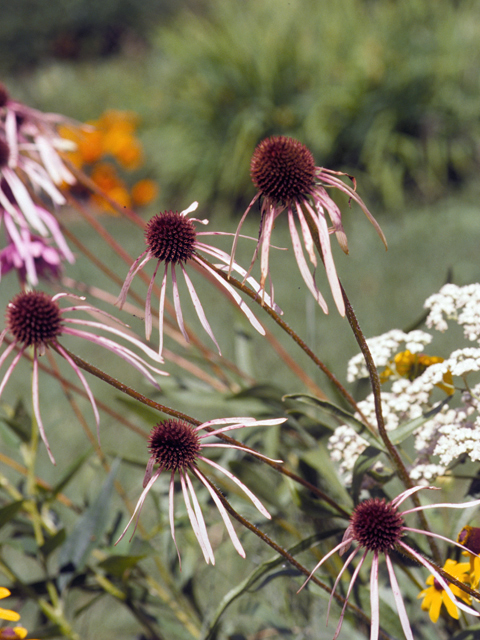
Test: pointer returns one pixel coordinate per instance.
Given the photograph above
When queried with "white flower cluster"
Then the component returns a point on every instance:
(384, 347)
(461, 304)
(453, 431)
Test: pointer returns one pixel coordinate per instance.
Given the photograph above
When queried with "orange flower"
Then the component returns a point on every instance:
(106, 178)
(144, 192)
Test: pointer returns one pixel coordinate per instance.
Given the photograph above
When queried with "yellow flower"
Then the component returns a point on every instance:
(7, 614)
(10, 633)
(411, 365)
(435, 595)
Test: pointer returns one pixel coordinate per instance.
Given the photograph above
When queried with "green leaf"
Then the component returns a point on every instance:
(402, 432)
(53, 542)
(87, 532)
(70, 473)
(9, 512)
(259, 573)
(20, 423)
(337, 412)
(118, 564)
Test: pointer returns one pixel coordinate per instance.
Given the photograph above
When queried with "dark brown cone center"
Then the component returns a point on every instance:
(34, 318)
(174, 444)
(282, 169)
(376, 525)
(171, 237)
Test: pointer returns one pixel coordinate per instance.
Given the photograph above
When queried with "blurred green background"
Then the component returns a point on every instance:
(386, 90)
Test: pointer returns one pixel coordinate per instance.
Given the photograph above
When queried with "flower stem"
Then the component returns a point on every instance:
(86, 366)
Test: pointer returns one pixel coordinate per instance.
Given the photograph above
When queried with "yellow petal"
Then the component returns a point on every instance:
(7, 614)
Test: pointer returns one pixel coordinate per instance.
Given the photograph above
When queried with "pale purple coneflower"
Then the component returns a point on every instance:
(172, 240)
(35, 320)
(378, 526)
(283, 171)
(176, 446)
(29, 254)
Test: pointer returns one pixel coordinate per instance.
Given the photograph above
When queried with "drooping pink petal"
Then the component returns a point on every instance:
(198, 308)
(139, 506)
(350, 587)
(36, 406)
(85, 385)
(240, 484)
(148, 304)
(338, 578)
(138, 264)
(198, 526)
(228, 524)
(324, 202)
(319, 564)
(374, 601)
(397, 594)
(256, 454)
(307, 236)
(241, 304)
(302, 265)
(161, 311)
(407, 493)
(177, 305)
(171, 514)
(267, 229)
(237, 233)
(149, 471)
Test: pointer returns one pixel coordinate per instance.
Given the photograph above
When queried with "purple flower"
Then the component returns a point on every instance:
(176, 446)
(283, 171)
(378, 526)
(35, 320)
(172, 240)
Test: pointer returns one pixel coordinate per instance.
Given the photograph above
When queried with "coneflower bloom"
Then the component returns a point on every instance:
(378, 527)
(284, 173)
(177, 446)
(35, 320)
(172, 240)
(32, 255)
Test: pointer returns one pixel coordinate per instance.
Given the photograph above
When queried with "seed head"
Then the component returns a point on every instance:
(170, 237)
(282, 169)
(376, 525)
(34, 318)
(174, 444)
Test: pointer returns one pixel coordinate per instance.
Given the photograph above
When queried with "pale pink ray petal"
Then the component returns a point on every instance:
(198, 308)
(405, 494)
(118, 332)
(240, 484)
(350, 587)
(238, 420)
(138, 264)
(84, 382)
(237, 233)
(324, 202)
(234, 446)
(319, 564)
(196, 519)
(54, 166)
(228, 523)
(421, 560)
(177, 305)
(161, 311)
(437, 535)
(36, 407)
(40, 177)
(139, 506)
(239, 424)
(24, 201)
(148, 304)
(335, 585)
(4, 356)
(171, 514)
(149, 471)
(192, 207)
(2, 338)
(240, 303)
(302, 265)
(336, 182)
(445, 505)
(57, 234)
(402, 612)
(328, 261)
(12, 137)
(307, 236)
(374, 600)
(122, 352)
(265, 250)
(221, 255)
